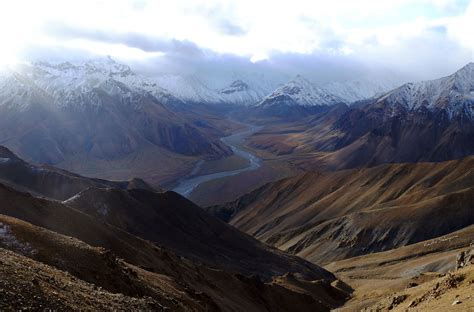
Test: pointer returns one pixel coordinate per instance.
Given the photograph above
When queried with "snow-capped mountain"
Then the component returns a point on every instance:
(67, 82)
(357, 90)
(426, 121)
(300, 91)
(187, 88)
(453, 94)
(239, 90)
(422, 121)
(295, 99)
(52, 112)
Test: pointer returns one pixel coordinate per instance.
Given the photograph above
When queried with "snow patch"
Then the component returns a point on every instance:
(4, 160)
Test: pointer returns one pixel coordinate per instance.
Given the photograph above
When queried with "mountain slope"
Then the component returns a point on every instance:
(172, 221)
(336, 215)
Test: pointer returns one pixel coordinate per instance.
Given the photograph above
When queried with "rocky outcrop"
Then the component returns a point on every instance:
(465, 258)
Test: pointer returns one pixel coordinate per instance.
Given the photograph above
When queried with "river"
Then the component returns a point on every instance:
(185, 187)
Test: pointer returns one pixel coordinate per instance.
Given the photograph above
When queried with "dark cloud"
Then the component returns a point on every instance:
(133, 40)
(221, 19)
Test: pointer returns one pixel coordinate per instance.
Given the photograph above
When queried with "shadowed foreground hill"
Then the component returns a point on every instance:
(336, 215)
(194, 262)
(61, 272)
(166, 219)
(170, 220)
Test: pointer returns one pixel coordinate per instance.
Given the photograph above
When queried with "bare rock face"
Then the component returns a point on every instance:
(236, 86)
(465, 258)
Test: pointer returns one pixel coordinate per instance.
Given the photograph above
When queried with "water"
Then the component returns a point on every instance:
(185, 187)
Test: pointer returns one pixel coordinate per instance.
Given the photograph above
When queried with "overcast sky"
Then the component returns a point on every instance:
(423, 38)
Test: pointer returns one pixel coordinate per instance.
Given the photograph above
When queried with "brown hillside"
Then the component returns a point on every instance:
(336, 215)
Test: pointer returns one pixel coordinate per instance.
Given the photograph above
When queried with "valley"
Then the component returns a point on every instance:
(247, 160)
(123, 191)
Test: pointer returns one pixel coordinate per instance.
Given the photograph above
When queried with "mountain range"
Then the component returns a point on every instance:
(354, 195)
(92, 117)
(423, 121)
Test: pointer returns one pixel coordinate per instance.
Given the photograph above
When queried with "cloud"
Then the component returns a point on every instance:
(324, 39)
(222, 19)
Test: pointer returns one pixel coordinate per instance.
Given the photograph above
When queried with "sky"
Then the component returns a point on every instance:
(325, 39)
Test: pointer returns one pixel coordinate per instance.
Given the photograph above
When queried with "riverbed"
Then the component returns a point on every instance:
(234, 141)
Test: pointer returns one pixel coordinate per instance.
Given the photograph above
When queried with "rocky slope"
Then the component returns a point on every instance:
(337, 215)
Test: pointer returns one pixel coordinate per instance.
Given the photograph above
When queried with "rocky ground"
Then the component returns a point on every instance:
(31, 286)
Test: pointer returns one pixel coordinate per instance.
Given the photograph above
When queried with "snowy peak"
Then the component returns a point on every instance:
(464, 79)
(106, 67)
(109, 66)
(189, 88)
(299, 91)
(453, 94)
(77, 83)
(361, 89)
(64, 77)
